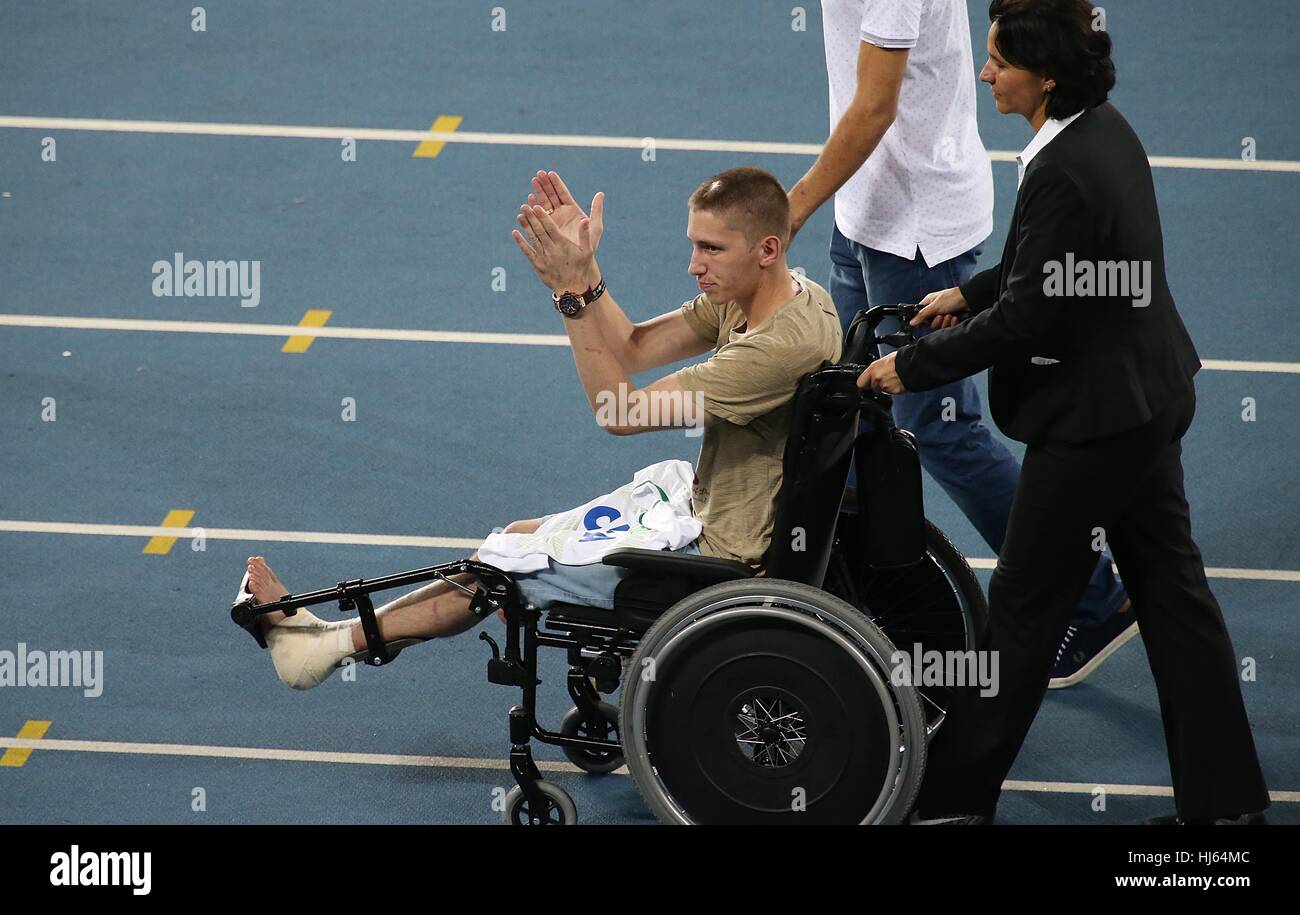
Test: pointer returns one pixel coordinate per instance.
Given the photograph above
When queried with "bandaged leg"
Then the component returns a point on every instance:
(306, 649)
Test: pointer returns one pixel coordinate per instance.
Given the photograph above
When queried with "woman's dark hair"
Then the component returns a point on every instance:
(1063, 40)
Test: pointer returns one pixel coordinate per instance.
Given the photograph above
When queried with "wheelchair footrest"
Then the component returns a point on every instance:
(244, 614)
(506, 673)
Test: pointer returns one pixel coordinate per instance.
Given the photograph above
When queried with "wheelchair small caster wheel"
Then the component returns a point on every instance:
(560, 809)
(597, 762)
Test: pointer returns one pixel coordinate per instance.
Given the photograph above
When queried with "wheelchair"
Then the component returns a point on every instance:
(744, 698)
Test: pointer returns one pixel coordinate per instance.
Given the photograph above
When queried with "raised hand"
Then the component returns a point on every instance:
(551, 193)
(561, 263)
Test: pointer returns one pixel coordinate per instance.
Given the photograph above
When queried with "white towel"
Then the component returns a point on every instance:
(652, 512)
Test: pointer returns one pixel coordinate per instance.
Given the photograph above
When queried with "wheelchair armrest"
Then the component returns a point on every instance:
(664, 562)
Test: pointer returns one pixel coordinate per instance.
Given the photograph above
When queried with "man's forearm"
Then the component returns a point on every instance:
(615, 328)
(568, 266)
(599, 369)
(614, 325)
(855, 138)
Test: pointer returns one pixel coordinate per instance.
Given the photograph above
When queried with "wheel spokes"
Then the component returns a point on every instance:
(770, 731)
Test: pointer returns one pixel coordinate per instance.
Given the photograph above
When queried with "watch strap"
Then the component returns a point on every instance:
(593, 293)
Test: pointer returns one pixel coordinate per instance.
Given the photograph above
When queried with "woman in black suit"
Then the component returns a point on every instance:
(1090, 366)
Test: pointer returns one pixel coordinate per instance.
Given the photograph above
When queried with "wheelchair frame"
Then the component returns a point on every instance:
(497, 590)
(598, 643)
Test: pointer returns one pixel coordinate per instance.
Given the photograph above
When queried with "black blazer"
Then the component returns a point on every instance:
(1086, 197)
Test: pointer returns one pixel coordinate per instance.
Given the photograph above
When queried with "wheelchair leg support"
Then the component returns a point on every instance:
(496, 590)
(377, 654)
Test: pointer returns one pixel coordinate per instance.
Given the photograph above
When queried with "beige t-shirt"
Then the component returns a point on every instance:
(750, 381)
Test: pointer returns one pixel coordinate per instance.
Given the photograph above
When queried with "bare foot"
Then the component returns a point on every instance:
(304, 649)
(266, 588)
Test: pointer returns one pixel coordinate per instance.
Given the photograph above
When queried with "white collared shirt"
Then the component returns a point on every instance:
(1046, 134)
(928, 184)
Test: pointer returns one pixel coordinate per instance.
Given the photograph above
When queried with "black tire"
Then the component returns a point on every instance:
(937, 603)
(766, 701)
(598, 762)
(560, 809)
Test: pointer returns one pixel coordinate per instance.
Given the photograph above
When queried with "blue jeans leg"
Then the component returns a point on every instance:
(957, 449)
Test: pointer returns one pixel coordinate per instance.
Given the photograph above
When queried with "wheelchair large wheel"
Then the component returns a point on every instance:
(937, 603)
(769, 701)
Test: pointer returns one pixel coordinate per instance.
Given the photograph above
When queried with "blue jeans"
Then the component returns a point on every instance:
(590, 585)
(957, 449)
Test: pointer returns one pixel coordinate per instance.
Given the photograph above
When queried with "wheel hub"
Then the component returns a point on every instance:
(770, 730)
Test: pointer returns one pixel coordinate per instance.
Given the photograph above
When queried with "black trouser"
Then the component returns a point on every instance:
(1130, 485)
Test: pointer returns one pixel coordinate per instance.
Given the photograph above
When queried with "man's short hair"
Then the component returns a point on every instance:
(750, 199)
(1062, 40)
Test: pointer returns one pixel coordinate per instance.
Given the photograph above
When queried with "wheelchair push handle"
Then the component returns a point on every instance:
(857, 348)
(865, 398)
(904, 312)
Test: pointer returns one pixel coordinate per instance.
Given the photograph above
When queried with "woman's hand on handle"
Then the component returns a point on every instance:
(882, 376)
(941, 308)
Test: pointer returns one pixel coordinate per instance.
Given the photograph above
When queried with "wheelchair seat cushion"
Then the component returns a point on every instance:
(641, 599)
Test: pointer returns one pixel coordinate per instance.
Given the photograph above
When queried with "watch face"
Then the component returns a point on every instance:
(570, 304)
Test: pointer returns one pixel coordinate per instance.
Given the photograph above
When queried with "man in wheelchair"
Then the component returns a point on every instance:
(755, 653)
(767, 327)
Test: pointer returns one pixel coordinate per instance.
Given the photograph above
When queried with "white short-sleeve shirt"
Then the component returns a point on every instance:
(928, 184)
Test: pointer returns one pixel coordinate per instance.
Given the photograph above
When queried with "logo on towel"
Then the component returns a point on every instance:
(598, 523)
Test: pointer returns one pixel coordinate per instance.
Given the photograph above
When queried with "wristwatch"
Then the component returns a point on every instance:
(570, 303)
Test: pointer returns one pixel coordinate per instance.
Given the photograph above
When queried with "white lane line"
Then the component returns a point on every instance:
(1237, 365)
(460, 543)
(977, 562)
(1291, 797)
(73, 322)
(280, 755)
(221, 533)
(1253, 574)
(278, 330)
(465, 762)
(212, 129)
